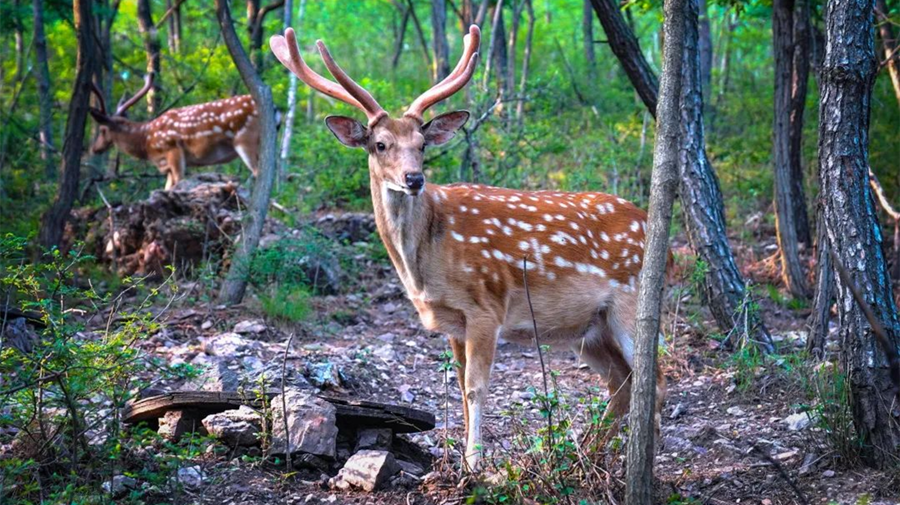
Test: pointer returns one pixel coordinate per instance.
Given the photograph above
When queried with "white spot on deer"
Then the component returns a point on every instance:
(533, 199)
(463, 208)
(486, 254)
(625, 252)
(514, 199)
(622, 201)
(523, 245)
(560, 217)
(541, 227)
(562, 262)
(457, 237)
(548, 217)
(484, 269)
(476, 240)
(604, 236)
(467, 269)
(604, 254)
(496, 277)
(525, 226)
(475, 211)
(637, 259)
(490, 232)
(507, 231)
(610, 207)
(551, 276)
(594, 254)
(582, 239)
(511, 206)
(613, 283)
(601, 209)
(635, 226)
(452, 220)
(574, 226)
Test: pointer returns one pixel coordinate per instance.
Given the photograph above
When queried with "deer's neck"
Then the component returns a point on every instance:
(406, 224)
(132, 139)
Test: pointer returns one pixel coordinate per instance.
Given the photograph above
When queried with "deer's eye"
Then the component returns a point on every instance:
(380, 147)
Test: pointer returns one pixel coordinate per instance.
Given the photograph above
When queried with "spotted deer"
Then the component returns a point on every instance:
(205, 134)
(461, 250)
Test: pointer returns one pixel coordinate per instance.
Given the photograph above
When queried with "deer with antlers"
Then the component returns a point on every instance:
(463, 251)
(199, 135)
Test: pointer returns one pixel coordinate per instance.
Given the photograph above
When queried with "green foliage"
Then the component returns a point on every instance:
(287, 303)
(64, 386)
(831, 412)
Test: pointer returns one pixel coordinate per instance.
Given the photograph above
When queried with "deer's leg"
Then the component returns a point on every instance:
(176, 163)
(481, 342)
(248, 149)
(459, 355)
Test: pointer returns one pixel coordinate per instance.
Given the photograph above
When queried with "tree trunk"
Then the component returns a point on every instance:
(587, 33)
(426, 53)
(105, 17)
(511, 47)
(642, 420)
(799, 85)
(174, 21)
(54, 220)
(886, 30)
(439, 32)
(526, 61)
(724, 288)
(398, 45)
(497, 38)
(848, 74)
(786, 229)
(625, 46)
(235, 284)
(292, 88)
(824, 295)
(706, 54)
(19, 36)
(151, 46)
(45, 99)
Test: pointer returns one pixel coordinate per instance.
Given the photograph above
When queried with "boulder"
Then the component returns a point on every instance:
(176, 423)
(119, 486)
(216, 375)
(798, 422)
(227, 345)
(366, 470)
(379, 439)
(239, 427)
(253, 327)
(191, 476)
(311, 425)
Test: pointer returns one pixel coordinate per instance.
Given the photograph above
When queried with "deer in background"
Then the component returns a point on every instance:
(200, 135)
(461, 250)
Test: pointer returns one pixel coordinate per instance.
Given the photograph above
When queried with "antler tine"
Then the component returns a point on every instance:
(288, 53)
(148, 83)
(453, 82)
(373, 111)
(99, 94)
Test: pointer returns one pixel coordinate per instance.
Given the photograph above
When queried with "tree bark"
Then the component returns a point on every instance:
(526, 61)
(19, 36)
(45, 99)
(174, 33)
(54, 220)
(401, 34)
(439, 33)
(848, 74)
(426, 53)
(256, 15)
(724, 289)
(664, 183)
(235, 284)
(785, 225)
(824, 295)
(105, 17)
(292, 88)
(706, 54)
(587, 33)
(626, 48)
(151, 46)
(799, 84)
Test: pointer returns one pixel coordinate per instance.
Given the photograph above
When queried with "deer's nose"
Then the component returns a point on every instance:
(414, 180)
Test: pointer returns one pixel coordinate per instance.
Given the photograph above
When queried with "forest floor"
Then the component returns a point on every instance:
(725, 435)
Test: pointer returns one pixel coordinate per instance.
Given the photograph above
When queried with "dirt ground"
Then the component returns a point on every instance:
(721, 444)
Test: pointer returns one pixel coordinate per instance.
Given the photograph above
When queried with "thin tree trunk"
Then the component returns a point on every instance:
(786, 229)
(401, 34)
(235, 284)
(151, 46)
(706, 54)
(642, 420)
(799, 86)
(421, 34)
(492, 44)
(512, 47)
(886, 30)
(45, 99)
(106, 15)
(893, 214)
(587, 33)
(526, 62)
(724, 289)
(174, 33)
(19, 36)
(625, 46)
(54, 220)
(292, 88)
(439, 32)
(500, 57)
(824, 295)
(848, 74)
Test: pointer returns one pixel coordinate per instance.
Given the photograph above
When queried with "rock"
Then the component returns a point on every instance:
(385, 353)
(678, 411)
(254, 327)
(366, 470)
(324, 375)
(176, 423)
(119, 486)
(206, 325)
(828, 474)
(270, 374)
(227, 345)
(798, 422)
(406, 393)
(387, 338)
(676, 444)
(215, 377)
(350, 227)
(311, 425)
(735, 411)
(411, 468)
(235, 427)
(379, 439)
(191, 476)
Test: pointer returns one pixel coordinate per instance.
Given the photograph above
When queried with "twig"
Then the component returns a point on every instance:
(537, 343)
(287, 438)
(781, 471)
(877, 328)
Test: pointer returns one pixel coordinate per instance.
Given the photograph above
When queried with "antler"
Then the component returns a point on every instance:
(122, 107)
(99, 94)
(288, 52)
(453, 82)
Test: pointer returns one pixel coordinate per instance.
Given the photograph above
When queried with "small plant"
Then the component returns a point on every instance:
(286, 303)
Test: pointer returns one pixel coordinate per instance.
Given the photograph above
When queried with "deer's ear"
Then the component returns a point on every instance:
(442, 128)
(99, 116)
(349, 131)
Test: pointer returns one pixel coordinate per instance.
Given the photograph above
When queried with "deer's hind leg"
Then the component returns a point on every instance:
(247, 147)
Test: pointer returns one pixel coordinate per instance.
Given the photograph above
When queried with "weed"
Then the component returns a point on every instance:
(286, 303)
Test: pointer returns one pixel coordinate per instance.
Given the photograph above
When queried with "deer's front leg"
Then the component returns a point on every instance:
(481, 341)
(175, 163)
(458, 346)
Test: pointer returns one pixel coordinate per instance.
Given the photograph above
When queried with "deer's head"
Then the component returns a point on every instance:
(395, 146)
(113, 125)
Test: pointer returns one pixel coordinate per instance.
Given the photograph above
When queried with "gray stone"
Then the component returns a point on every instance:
(191, 476)
(378, 439)
(227, 345)
(235, 427)
(798, 422)
(411, 468)
(366, 470)
(253, 327)
(216, 376)
(311, 425)
(176, 423)
(323, 375)
(119, 486)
